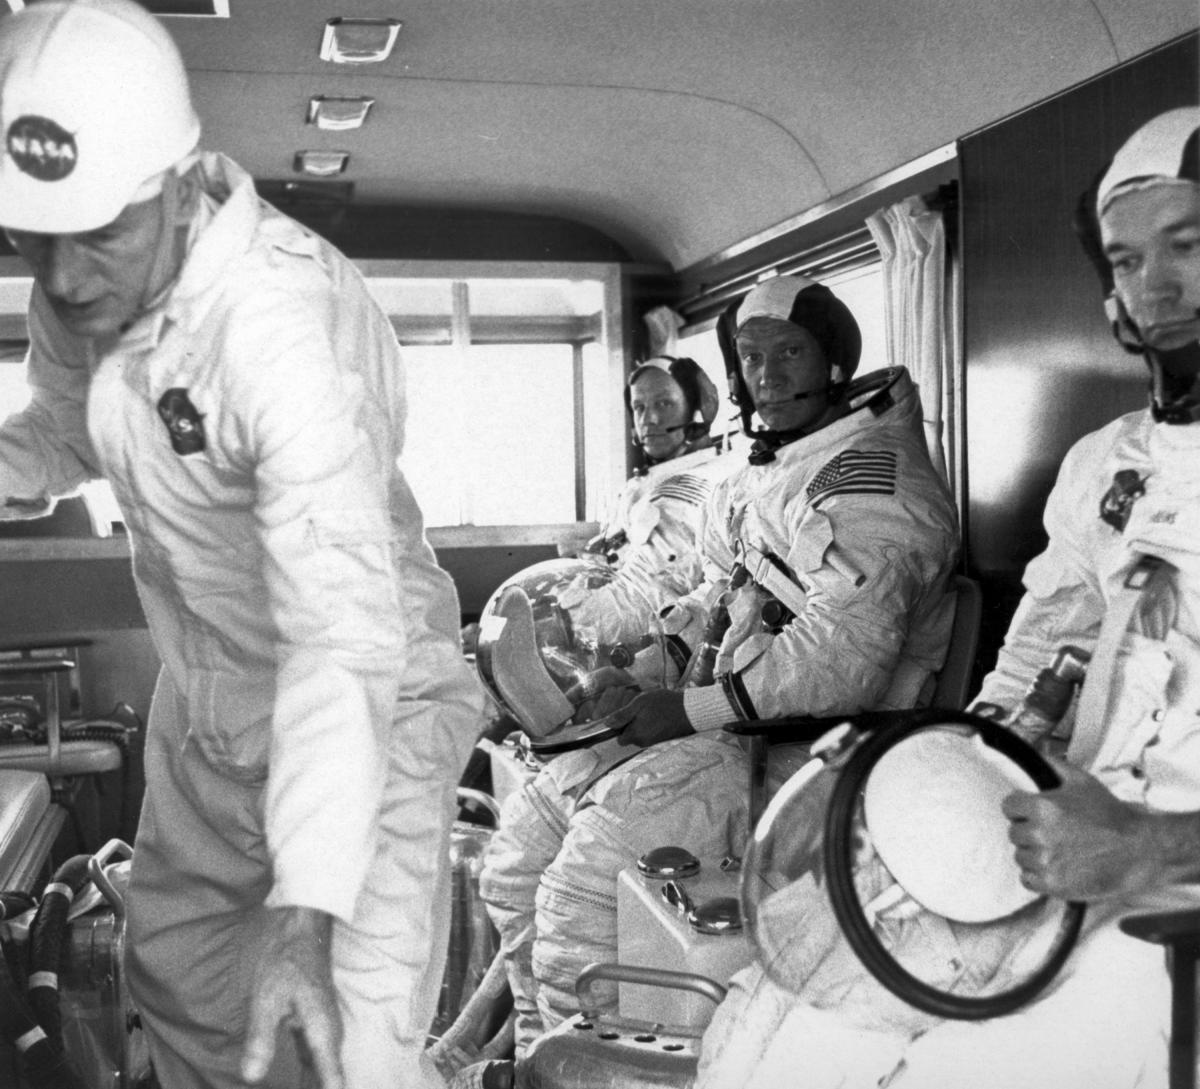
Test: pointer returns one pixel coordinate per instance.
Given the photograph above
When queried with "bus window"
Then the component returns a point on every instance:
(491, 433)
(514, 392)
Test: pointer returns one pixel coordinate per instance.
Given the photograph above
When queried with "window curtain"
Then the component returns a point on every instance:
(921, 315)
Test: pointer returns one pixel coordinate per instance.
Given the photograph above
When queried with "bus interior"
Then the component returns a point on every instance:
(533, 187)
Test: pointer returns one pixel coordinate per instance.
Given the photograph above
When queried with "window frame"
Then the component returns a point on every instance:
(15, 284)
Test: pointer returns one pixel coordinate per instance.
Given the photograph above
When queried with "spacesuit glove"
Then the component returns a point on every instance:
(602, 692)
(652, 717)
(293, 985)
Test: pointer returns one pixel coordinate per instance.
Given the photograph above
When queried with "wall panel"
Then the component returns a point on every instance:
(1041, 367)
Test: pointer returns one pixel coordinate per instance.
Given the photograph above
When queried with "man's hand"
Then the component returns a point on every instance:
(294, 986)
(652, 717)
(1078, 842)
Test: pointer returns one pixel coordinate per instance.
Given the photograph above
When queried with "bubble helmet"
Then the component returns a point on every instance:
(540, 655)
(890, 846)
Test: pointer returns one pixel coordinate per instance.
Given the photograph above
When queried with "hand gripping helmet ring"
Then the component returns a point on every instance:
(698, 391)
(94, 104)
(802, 302)
(893, 840)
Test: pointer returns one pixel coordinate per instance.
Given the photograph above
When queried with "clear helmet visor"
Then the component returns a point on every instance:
(885, 863)
(547, 653)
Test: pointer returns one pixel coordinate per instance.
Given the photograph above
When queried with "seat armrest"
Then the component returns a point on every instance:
(1179, 929)
(803, 730)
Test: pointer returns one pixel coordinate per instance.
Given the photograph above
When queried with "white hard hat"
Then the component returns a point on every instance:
(94, 103)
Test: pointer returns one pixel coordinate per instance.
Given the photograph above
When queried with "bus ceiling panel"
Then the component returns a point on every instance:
(652, 171)
(678, 127)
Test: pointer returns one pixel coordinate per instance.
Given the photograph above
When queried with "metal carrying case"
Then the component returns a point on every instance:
(678, 913)
(605, 1052)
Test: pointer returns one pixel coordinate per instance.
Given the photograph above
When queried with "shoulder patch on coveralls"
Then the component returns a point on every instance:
(1116, 506)
(185, 424)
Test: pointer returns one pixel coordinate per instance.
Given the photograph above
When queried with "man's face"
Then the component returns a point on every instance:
(778, 361)
(95, 281)
(1151, 238)
(660, 412)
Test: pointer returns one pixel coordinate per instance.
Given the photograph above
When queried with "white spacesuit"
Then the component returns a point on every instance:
(862, 533)
(1120, 581)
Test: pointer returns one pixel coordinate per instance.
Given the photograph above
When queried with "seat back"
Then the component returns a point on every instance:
(953, 685)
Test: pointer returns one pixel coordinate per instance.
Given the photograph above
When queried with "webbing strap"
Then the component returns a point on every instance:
(1091, 717)
(766, 571)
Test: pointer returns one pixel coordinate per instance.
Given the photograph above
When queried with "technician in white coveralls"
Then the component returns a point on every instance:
(1120, 579)
(230, 375)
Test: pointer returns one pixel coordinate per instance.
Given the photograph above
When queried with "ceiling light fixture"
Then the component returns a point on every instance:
(338, 114)
(321, 164)
(358, 41)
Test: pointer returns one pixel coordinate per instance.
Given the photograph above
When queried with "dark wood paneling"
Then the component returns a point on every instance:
(1041, 367)
(478, 571)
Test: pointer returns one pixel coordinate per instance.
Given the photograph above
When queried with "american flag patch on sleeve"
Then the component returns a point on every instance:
(685, 487)
(854, 472)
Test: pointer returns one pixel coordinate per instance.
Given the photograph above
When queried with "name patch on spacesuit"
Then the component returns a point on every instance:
(185, 425)
(1117, 504)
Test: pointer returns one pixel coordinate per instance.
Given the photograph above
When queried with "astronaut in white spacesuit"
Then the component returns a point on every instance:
(652, 535)
(851, 536)
(652, 542)
(1120, 579)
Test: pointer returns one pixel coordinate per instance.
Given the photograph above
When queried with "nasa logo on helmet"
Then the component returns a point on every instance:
(41, 147)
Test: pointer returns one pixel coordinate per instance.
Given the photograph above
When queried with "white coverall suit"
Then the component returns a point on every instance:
(313, 712)
(858, 498)
(1102, 1024)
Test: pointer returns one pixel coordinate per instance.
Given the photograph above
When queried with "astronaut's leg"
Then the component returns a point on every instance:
(1102, 1025)
(764, 1036)
(529, 835)
(690, 793)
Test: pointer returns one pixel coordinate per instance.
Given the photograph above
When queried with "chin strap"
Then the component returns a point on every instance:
(767, 442)
(1174, 397)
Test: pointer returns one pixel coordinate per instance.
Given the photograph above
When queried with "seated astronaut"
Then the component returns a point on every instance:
(1118, 581)
(558, 624)
(842, 540)
(652, 534)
